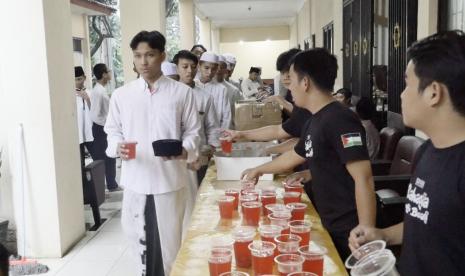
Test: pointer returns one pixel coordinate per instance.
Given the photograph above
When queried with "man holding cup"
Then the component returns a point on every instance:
(148, 109)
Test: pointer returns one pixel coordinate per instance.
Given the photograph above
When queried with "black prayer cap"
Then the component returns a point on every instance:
(78, 71)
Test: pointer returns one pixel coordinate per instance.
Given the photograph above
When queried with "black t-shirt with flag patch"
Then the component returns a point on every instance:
(331, 138)
(434, 223)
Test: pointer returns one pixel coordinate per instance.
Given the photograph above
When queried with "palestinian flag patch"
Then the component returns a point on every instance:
(351, 140)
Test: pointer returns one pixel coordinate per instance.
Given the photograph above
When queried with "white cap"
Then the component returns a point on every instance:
(221, 59)
(230, 58)
(168, 68)
(209, 57)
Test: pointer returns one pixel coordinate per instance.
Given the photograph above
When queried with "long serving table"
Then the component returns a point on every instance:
(206, 224)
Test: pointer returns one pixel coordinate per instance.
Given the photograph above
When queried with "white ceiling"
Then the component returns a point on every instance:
(236, 13)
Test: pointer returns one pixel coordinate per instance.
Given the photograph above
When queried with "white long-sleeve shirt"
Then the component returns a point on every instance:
(100, 102)
(209, 125)
(84, 120)
(249, 87)
(220, 100)
(234, 95)
(136, 114)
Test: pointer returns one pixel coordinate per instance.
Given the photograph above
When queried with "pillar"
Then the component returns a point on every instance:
(37, 91)
(187, 23)
(136, 16)
(205, 33)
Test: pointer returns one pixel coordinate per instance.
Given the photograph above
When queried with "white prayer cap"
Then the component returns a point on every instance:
(209, 57)
(221, 58)
(168, 68)
(230, 58)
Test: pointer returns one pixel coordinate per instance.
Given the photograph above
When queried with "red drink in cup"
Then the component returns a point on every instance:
(269, 232)
(226, 145)
(246, 198)
(287, 244)
(262, 257)
(251, 212)
(297, 210)
(294, 187)
(131, 146)
(289, 263)
(302, 229)
(219, 261)
(243, 236)
(282, 219)
(290, 197)
(267, 197)
(226, 205)
(314, 258)
(235, 194)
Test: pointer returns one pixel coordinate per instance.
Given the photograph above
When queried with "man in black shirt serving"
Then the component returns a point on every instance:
(333, 143)
(433, 231)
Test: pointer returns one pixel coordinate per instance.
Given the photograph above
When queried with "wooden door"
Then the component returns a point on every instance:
(357, 42)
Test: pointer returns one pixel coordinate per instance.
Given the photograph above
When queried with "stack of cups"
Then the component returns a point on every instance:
(381, 263)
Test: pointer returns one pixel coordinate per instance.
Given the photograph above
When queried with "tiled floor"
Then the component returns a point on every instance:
(104, 252)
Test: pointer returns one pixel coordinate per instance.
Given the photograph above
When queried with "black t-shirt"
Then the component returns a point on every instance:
(295, 124)
(332, 137)
(434, 224)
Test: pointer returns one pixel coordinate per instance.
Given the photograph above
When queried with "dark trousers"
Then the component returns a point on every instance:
(100, 145)
(201, 174)
(90, 149)
(153, 257)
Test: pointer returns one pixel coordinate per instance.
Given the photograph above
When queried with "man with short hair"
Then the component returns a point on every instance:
(231, 62)
(365, 110)
(433, 101)
(83, 116)
(99, 112)
(251, 85)
(186, 64)
(344, 96)
(234, 94)
(334, 148)
(208, 66)
(145, 110)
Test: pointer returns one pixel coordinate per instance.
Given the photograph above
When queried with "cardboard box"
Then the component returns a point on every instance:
(244, 156)
(253, 114)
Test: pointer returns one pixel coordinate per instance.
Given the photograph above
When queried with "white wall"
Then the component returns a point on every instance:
(314, 15)
(260, 46)
(35, 74)
(259, 53)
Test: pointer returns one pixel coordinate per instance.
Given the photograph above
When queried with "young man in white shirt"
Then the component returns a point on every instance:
(251, 85)
(186, 64)
(231, 61)
(83, 115)
(208, 66)
(148, 109)
(99, 112)
(234, 94)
